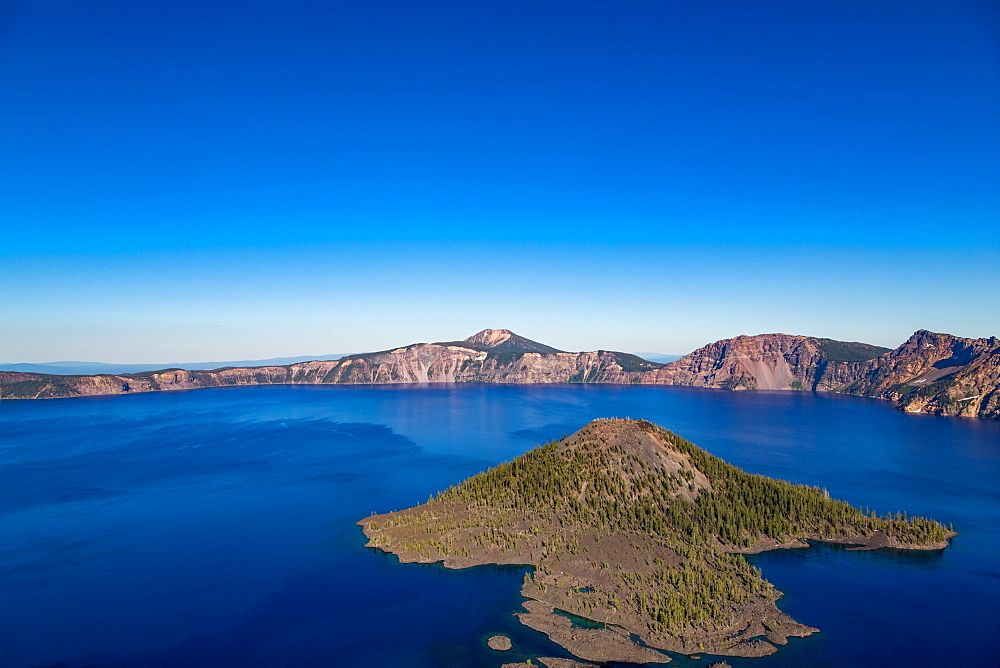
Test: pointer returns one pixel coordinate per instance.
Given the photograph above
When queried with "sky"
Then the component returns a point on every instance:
(187, 181)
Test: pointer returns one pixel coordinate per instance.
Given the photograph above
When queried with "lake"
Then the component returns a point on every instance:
(217, 527)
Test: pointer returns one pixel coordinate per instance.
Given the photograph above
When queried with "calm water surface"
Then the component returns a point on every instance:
(217, 527)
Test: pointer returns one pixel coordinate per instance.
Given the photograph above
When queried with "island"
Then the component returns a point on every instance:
(635, 535)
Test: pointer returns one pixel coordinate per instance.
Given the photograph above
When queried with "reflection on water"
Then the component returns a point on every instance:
(217, 527)
(886, 557)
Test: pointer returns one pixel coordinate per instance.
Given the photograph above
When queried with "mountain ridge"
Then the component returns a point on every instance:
(929, 373)
(80, 368)
(501, 340)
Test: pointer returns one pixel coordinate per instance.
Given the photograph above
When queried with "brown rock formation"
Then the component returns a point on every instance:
(494, 356)
(929, 373)
(763, 362)
(932, 373)
(503, 340)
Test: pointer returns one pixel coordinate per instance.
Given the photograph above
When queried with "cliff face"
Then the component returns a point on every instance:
(934, 373)
(436, 363)
(418, 363)
(764, 362)
(929, 373)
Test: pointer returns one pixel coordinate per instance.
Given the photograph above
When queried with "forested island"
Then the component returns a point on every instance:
(637, 532)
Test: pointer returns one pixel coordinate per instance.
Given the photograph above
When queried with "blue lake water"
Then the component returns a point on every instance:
(217, 527)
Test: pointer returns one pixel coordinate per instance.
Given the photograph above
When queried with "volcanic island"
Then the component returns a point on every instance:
(640, 532)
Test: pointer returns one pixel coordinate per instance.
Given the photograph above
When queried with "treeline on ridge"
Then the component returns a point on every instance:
(740, 509)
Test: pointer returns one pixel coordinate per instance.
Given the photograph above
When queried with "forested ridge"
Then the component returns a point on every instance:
(738, 509)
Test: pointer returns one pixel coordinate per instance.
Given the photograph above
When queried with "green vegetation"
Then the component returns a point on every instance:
(36, 386)
(666, 511)
(150, 374)
(739, 510)
(938, 387)
(696, 591)
(520, 345)
(744, 506)
(592, 375)
(849, 351)
(29, 388)
(743, 380)
(504, 357)
(629, 362)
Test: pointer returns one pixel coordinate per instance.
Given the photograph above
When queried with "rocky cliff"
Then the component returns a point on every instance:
(929, 373)
(932, 373)
(768, 362)
(935, 373)
(491, 356)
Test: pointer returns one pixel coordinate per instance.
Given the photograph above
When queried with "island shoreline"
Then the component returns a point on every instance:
(581, 568)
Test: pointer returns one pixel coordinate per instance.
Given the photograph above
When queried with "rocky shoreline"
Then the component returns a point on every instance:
(608, 577)
(548, 592)
(755, 634)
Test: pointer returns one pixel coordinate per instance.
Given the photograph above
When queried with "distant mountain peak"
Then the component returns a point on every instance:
(507, 341)
(491, 337)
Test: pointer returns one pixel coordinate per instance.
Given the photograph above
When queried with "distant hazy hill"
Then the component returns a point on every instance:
(72, 368)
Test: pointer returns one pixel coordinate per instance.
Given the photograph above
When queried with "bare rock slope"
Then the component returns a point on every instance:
(929, 373)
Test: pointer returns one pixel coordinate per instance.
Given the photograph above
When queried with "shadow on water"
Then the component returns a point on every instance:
(547, 432)
(429, 615)
(885, 556)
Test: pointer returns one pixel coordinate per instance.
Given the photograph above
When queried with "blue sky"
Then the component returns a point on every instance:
(191, 181)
